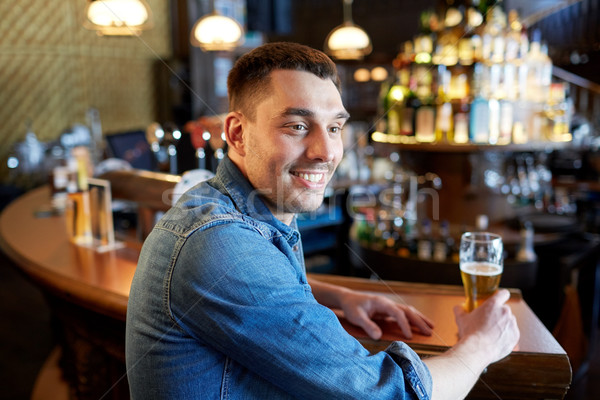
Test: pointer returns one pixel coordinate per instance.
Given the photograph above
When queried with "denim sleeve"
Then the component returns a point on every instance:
(237, 292)
(417, 374)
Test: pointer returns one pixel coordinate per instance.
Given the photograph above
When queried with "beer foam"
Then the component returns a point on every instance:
(481, 268)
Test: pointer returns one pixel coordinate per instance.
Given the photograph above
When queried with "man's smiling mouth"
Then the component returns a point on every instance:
(315, 178)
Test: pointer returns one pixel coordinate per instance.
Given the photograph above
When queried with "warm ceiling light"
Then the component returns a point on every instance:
(348, 41)
(379, 74)
(362, 75)
(118, 17)
(215, 32)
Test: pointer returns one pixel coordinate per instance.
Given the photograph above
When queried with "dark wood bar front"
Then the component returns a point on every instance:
(88, 293)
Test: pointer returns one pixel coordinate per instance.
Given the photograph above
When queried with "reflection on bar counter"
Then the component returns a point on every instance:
(473, 78)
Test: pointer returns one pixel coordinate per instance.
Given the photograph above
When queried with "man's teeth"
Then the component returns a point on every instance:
(309, 177)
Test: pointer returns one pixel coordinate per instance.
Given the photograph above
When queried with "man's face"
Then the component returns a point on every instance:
(294, 145)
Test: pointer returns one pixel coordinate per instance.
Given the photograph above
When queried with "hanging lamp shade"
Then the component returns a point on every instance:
(118, 17)
(348, 41)
(215, 32)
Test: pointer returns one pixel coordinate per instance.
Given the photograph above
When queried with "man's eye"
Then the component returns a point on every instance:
(298, 127)
(335, 129)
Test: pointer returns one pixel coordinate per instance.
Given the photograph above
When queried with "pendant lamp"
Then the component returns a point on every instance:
(348, 41)
(216, 32)
(118, 17)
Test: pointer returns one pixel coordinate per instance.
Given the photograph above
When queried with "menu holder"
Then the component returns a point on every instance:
(103, 230)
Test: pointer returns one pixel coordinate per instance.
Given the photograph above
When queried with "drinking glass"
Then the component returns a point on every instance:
(481, 266)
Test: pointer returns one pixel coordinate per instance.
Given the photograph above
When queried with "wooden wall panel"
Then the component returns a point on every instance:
(52, 70)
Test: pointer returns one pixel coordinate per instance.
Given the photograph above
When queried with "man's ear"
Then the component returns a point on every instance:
(234, 132)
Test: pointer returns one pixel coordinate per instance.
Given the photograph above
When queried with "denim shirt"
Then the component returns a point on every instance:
(220, 308)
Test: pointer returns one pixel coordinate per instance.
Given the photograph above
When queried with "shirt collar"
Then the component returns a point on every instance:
(248, 201)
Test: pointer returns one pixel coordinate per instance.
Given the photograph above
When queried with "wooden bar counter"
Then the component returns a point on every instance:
(88, 293)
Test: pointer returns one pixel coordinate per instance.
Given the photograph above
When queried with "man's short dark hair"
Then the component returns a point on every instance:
(248, 80)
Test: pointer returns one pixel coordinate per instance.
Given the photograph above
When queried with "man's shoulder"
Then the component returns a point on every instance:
(205, 206)
(198, 205)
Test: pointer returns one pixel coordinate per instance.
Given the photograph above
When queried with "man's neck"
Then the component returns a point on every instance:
(284, 217)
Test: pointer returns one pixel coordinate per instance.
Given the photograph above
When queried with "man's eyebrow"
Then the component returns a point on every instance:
(305, 112)
(343, 115)
(301, 112)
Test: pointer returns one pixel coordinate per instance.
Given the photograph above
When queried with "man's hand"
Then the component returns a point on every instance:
(361, 308)
(491, 326)
(486, 334)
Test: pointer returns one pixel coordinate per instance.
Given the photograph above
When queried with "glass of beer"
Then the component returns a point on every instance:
(481, 266)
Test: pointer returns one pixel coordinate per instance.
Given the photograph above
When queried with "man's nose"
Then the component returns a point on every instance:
(321, 146)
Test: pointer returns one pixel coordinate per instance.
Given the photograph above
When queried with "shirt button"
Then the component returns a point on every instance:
(295, 248)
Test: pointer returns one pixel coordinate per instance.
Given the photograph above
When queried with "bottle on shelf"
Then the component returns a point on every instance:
(495, 94)
(558, 113)
(479, 119)
(536, 70)
(499, 85)
(412, 104)
(443, 119)
(395, 102)
(442, 246)
(506, 104)
(526, 251)
(425, 114)
(424, 243)
(408, 240)
(394, 240)
(461, 123)
(481, 223)
(446, 48)
(461, 102)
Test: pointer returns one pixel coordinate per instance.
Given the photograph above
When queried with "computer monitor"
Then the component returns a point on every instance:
(132, 147)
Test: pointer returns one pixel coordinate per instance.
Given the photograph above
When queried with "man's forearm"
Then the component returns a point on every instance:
(455, 372)
(327, 294)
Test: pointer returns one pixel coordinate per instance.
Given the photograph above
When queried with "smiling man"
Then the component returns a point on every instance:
(289, 145)
(220, 306)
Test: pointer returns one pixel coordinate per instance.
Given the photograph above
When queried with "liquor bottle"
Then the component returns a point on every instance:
(451, 20)
(78, 212)
(526, 251)
(380, 235)
(507, 103)
(461, 123)
(546, 72)
(494, 121)
(393, 239)
(466, 36)
(443, 119)
(513, 36)
(424, 243)
(460, 98)
(557, 111)
(537, 67)
(479, 122)
(442, 246)
(425, 112)
(395, 102)
(506, 122)
(481, 223)
(495, 93)
(412, 103)
(408, 246)
(381, 123)
(403, 246)
(522, 67)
